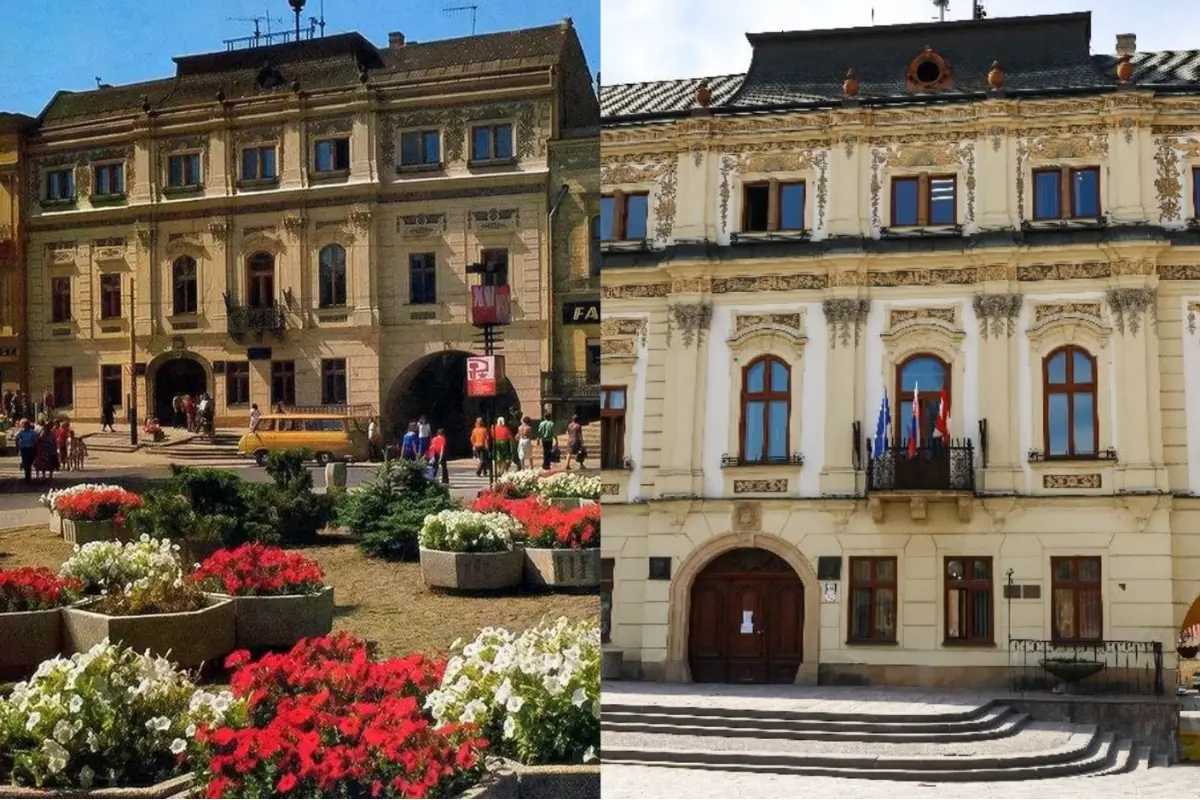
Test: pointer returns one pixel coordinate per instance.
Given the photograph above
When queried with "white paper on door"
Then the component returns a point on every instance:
(747, 622)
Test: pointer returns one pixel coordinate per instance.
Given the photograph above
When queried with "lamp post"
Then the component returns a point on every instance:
(297, 7)
(131, 398)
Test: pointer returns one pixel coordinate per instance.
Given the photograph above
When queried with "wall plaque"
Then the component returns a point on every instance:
(660, 568)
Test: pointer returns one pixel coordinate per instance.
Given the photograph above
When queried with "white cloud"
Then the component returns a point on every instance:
(644, 40)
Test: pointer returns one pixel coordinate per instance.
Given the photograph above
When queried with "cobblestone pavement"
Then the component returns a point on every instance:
(657, 782)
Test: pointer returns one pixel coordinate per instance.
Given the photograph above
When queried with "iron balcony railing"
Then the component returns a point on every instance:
(932, 467)
(1093, 667)
(571, 385)
(250, 321)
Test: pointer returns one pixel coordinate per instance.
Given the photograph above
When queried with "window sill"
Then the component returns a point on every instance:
(255, 184)
(491, 163)
(189, 316)
(183, 191)
(961, 644)
(67, 202)
(753, 237)
(322, 311)
(407, 169)
(1036, 458)
(736, 462)
(108, 199)
(872, 643)
(329, 176)
(913, 231)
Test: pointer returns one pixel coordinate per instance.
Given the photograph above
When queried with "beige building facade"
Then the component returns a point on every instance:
(794, 256)
(294, 224)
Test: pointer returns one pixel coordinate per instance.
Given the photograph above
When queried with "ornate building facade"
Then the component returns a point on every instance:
(866, 220)
(294, 223)
(12, 254)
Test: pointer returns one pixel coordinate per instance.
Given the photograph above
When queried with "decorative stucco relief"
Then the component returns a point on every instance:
(1128, 306)
(700, 285)
(746, 322)
(1022, 157)
(900, 316)
(997, 314)
(769, 283)
(1048, 311)
(691, 320)
(845, 318)
(1065, 272)
(924, 153)
(618, 328)
(921, 277)
(769, 157)
(617, 347)
(776, 486)
(1179, 272)
(610, 489)
(1054, 147)
(1193, 309)
(634, 291)
(665, 202)
(329, 126)
(1092, 481)
(451, 121)
(1167, 180)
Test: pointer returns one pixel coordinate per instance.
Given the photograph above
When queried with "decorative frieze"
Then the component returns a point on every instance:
(845, 318)
(900, 316)
(770, 157)
(997, 314)
(496, 219)
(921, 277)
(1166, 182)
(615, 328)
(610, 489)
(451, 121)
(1048, 311)
(774, 486)
(421, 226)
(634, 291)
(1091, 481)
(1179, 272)
(691, 320)
(145, 235)
(293, 224)
(360, 217)
(747, 516)
(769, 283)
(617, 347)
(219, 229)
(665, 204)
(329, 126)
(1193, 308)
(1065, 272)
(1128, 306)
(1093, 145)
(794, 322)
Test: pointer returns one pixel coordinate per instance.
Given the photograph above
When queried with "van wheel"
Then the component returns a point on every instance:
(260, 458)
(324, 458)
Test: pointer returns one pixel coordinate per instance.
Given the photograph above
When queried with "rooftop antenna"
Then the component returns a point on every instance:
(872, 16)
(941, 6)
(317, 22)
(257, 20)
(979, 12)
(474, 9)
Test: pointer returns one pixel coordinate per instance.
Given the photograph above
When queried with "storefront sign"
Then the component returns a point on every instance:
(491, 305)
(484, 374)
(586, 312)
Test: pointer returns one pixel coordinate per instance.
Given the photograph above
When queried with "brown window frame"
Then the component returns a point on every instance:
(924, 199)
(617, 417)
(331, 370)
(261, 276)
(873, 584)
(489, 256)
(924, 396)
(332, 273)
(766, 397)
(110, 296)
(1066, 192)
(185, 286)
(621, 214)
(283, 383)
(1077, 587)
(237, 383)
(1070, 388)
(60, 299)
(607, 567)
(64, 386)
(1195, 192)
(774, 206)
(112, 373)
(971, 585)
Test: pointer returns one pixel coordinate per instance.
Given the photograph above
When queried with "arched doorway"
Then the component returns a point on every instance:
(747, 619)
(177, 375)
(435, 387)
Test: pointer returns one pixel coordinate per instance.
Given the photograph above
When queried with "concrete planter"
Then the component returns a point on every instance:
(283, 620)
(56, 522)
(519, 781)
(335, 475)
(472, 571)
(570, 503)
(30, 637)
(188, 639)
(183, 786)
(562, 568)
(82, 531)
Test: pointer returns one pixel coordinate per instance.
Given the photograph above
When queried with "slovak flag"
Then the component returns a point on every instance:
(914, 425)
(941, 426)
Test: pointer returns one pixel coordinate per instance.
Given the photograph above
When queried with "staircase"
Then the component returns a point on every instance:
(591, 440)
(104, 442)
(990, 743)
(193, 448)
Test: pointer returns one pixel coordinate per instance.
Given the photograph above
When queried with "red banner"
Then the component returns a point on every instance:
(491, 305)
(484, 374)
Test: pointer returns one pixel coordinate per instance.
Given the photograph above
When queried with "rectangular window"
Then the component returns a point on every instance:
(756, 213)
(612, 427)
(420, 149)
(942, 201)
(969, 600)
(60, 299)
(492, 142)
(332, 155)
(64, 386)
(258, 163)
(110, 296)
(924, 200)
(606, 598)
(108, 180)
(111, 390)
(60, 184)
(422, 278)
(283, 383)
(1085, 193)
(791, 206)
(873, 599)
(1196, 192)
(593, 360)
(1076, 597)
(623, 217)
(772, 206)
(495, 260)
(183, 170)
(333, 381)
(608, 219)
(1066, 193)
(237, 382)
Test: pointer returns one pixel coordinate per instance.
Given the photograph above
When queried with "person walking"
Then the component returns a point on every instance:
(189, 413)
(525, 444)
(502, 438)
(48, 402)
(202, 414)
(574, 441)
(62, 434)
(424, 434)
(547, 436)
(178, 419)
(479, 446)
(437, 455)
(27, 439)
(255, 416)
(408, 445)
(372, 440)
(45, 460)
(108, 415)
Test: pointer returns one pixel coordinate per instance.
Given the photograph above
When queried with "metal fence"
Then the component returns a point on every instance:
(1099, 667)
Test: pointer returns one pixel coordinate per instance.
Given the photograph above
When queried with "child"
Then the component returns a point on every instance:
(76, 452)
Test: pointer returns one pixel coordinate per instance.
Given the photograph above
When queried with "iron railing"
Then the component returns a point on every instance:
(571, 385)
(1096, 667)
(246, 320)
(795, 459)
(935, 466)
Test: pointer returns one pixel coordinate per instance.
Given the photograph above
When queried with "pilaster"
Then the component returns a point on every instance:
(846, 317)
(1133, 306)
(689, 314)
(697, 214)
(995, 193)
(997, 310)
(849, 207)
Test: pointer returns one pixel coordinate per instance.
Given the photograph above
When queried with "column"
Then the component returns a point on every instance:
(846, 318)
(998, 310)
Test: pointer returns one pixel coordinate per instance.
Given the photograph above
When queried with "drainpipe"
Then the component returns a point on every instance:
(555, 202)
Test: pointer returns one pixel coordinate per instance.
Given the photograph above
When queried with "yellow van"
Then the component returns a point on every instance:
(331, 437)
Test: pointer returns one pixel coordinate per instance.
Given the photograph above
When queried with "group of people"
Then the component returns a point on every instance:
(48, 448)
(514, 449)
(194, 414)
(19, 406)
(420, 442)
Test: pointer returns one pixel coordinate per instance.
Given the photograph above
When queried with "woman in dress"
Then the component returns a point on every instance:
(46, 459)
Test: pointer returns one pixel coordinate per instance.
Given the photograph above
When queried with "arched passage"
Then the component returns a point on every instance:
(435, 387)
(175, 373)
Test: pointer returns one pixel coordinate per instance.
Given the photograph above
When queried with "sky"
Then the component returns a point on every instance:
(47, 45)
(645, 40)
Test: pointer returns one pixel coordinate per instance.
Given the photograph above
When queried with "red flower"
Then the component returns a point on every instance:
(286, 783)
(101, 505)
(255, 569)
(546, 525)
(35, 589)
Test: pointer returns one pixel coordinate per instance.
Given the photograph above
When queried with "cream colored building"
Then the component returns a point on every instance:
(787, 248)
(12, 260)
(293, 223)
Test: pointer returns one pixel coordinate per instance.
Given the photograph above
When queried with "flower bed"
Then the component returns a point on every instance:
(536, 696)
(30, 616)
(98, 504)
(279, 597)
(547, 485)
(113, 565)
(471, 551)
(561, 546)
(110, 717)
(51, 499)
(328, 721)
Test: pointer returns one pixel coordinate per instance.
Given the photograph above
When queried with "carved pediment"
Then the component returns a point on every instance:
(905, 316)
(1055, 148)
(792, 322)
(182, 244)
(496, 219)
(616, 328)
(260, 240)
(1049, 311)
(421, 226)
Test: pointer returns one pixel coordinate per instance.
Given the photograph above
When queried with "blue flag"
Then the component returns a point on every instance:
(882, 425)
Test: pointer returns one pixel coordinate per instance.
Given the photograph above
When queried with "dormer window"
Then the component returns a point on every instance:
(929, 72)
(60, 185)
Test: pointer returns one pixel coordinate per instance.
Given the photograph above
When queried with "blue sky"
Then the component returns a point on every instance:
(47, 45)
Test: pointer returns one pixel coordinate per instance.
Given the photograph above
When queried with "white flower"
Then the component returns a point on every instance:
(76, 702)
(178, 746)
(87, 776)
(514, 704)
(190, 730)
(57, 756)
(510, 727)
(33, 720)
(578, 697)
(590, 755)
(63, 731)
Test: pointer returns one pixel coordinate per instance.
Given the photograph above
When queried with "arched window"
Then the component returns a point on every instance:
(594, 246)
(927, 375)
(1070, 397)
(260, 289)
(766, 410)
(183, 283)
(333, 276)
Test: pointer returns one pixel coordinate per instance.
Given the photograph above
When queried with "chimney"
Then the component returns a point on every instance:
(1126, 44)
(395, 40)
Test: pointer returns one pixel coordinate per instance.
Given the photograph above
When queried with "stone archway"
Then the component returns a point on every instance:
(171, 373)
(679, 620)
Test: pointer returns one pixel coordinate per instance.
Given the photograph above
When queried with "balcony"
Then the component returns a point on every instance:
(246, 322)
(932, 472)
(571, 386)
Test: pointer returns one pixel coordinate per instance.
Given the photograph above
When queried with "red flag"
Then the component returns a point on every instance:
(942, 424)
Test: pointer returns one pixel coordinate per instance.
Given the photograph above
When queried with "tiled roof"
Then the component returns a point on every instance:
(657, 97)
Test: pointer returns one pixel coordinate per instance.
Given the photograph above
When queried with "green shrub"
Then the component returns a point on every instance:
(387, 511)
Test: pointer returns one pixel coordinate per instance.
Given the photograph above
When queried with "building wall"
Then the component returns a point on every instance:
(12, 286)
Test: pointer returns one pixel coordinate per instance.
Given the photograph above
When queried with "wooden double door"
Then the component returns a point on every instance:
(747, 620)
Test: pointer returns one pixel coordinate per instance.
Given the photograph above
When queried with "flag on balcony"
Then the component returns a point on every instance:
(882, 427)
(941, 426)
(914, 425)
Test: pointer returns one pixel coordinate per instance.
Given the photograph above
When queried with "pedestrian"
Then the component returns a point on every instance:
(548, 437)
(45, 460)
(503, 445)
(255, 416)
(372, 440)
(479, 446)
(76, 452)
(27, 439)
(7, 401)
(437, 454)
(108, 415)
(210, 416)
(525, 444)
(177, 417)
(408, 445)
(424, 434)
(574, 441)
(61, 436)
(202, 413)
(189, 413)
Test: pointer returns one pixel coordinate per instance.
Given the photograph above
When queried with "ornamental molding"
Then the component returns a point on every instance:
(952, 152)
(1128, 306)
(903, 316)
(610, 489)
(329, 126)
(421, 226)
(1091, 481)
(665, 205)
(615, 328)
(691, 319)
(1169, 152)
(258, 134)
(634, 291)
(845, 318)
(691, 285)
(1179, 272)
(1080, 270)
(770, 283)
(626, 173)
(293, 224)
(790, 322)
(997, 314)
(183, 245)
(144, 234)
(452, 122)
(219, 229)
(774, 486)
(771, 157)
(1193, 308)
(531, 127)
(921, 277)
(1052, 148)
(576, 157)
(617, 347)
(360, 217)
(1049, 311)
(495, 220)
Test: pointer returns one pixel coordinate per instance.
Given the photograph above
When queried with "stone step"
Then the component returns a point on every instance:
(997, 723)
(1099, 753)
(805, 715)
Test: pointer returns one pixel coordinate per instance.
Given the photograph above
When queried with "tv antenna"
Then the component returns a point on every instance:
(941, 6)
(257, 24)
(474, 9)
(979, 12)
